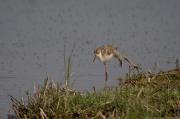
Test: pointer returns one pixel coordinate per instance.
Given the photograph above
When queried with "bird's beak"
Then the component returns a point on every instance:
(94, 58)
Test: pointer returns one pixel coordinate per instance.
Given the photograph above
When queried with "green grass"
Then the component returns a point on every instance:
(140, 96)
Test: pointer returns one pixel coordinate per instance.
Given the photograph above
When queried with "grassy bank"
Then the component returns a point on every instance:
(143, 95)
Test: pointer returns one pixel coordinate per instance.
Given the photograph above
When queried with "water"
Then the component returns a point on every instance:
(33, 34)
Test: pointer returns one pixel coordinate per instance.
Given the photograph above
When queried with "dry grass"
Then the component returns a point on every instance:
(140, 96)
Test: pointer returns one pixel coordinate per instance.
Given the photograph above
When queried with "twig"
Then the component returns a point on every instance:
(133, 65)
(43, 115)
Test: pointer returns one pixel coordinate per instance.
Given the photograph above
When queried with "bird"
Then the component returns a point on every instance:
(107, 52)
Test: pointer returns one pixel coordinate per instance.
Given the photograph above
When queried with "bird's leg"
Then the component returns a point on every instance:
(106, 74)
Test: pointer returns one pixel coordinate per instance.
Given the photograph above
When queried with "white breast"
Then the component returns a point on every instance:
(105, 57)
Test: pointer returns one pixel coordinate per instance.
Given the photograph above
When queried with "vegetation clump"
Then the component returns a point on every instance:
(143, 95)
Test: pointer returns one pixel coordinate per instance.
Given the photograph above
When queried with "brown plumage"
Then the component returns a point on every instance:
(107, 52)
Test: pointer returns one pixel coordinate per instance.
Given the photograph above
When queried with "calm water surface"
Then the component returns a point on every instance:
(33, 34)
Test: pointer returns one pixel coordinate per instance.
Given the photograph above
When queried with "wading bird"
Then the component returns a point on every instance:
(107, 52)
